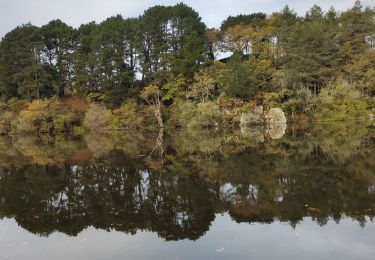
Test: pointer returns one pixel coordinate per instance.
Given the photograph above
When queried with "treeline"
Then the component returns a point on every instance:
(57, 59)
(168, 56)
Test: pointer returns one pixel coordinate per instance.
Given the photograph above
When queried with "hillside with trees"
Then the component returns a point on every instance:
(162, 69)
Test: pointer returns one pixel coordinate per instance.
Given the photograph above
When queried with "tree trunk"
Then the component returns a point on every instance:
(159, 117)
(159, 143)
(36, 85)
(29, 95)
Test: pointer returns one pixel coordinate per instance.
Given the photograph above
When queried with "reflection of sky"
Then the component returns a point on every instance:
(225, 240)
(73, 12)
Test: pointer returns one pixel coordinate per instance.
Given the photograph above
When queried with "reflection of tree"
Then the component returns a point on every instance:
(155, 160)
(117, 186)
(115, 194)
(290, 186)
(290, 179)
(130, 142)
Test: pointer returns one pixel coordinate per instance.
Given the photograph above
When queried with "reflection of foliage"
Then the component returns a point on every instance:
(340, 140)
(116, 195)
(323, 172)
(46, 151)
(9, 155)
(100, 144)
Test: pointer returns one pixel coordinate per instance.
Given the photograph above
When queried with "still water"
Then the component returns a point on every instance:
(308, 193)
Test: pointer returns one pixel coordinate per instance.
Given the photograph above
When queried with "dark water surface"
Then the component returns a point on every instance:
(251, 194)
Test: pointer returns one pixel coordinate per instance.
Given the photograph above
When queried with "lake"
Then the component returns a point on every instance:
(304, 192)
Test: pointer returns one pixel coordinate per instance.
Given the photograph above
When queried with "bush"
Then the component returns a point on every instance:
(126, 117)
(6, 119)
(208, 114)
(232, 109)
(339, 103)
(95, 97)
(201, 115)
(186, 111)
(45, 116)
(301, 102)
(16, 105)
(97, 117)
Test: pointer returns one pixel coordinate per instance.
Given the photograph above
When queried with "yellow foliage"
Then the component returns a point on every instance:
(45, 116)
(97, 117)
(341, 102)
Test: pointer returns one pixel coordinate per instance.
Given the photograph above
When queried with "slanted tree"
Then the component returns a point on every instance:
(153, 96)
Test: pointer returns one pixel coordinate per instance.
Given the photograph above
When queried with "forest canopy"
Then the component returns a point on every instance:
(296, 62)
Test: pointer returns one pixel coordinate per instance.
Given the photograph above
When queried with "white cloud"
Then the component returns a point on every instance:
(76, 12)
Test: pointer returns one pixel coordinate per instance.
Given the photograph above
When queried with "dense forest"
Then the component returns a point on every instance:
(166, 65)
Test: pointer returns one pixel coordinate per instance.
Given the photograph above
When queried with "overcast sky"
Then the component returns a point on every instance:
(76, 12)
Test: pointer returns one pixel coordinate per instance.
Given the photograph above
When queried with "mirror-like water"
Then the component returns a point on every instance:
(309, 194)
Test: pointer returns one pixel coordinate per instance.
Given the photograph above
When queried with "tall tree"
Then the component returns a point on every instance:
(59, 41)
(311, 52)
(85, 62)
(186, 40)
(357, 37)
(22, 71)
(152, 40)
(171, 43)
(115, 75)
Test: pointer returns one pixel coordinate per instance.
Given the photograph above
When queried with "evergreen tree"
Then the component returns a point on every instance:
(85, 62)
(114, 74)
(236, 80)
(311, 52)
(59, 43)
(22, 70)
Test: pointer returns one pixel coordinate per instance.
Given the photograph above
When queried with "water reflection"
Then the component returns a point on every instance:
(175, 185)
